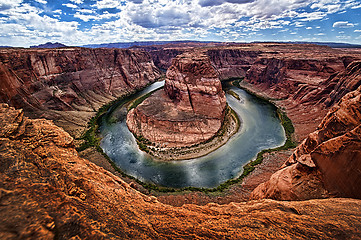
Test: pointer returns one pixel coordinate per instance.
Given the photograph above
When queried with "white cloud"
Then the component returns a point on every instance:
(107, 4)
(25, 25)
(77, 1)
(70, 5)
(357, 30)
(343, 24)
(343, 37)
(85, 17)
(41, 1)
(170, 20)
(8, 4)
(89, 11)
(320, 34)
(328, 7)
(311, 16)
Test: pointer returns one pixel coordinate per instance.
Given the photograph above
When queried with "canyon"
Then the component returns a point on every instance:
(47, 191)
(317, 86)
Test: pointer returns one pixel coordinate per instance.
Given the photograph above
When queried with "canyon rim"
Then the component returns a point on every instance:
(197, 119)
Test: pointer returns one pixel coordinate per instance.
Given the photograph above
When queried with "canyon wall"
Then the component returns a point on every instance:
(69, 84)
(232, 62)
(327, 162)
(47, 191)
(300, 79)
(228, 61)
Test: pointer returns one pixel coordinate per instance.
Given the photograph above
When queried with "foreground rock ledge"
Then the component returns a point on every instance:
(189, 110)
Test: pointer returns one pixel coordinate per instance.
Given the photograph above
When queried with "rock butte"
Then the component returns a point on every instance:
(188, 111)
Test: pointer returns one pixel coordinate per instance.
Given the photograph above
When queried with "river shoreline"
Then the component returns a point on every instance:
(111, 166)
(231, 125)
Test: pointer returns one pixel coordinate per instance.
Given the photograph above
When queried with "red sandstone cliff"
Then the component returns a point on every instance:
(188, 111)
(69, 84)
(233, 62)
(328, 161)
(301, 79)
(47, 191)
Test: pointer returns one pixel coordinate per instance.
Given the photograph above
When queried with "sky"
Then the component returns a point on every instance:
(79, 22)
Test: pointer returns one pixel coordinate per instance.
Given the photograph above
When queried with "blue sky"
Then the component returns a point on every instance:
(77, 22)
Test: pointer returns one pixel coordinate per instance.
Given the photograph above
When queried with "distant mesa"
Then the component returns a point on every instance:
(189, 110)
(49, 45)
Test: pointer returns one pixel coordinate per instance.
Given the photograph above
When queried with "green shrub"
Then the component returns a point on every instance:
(139, 100)
(92, 140)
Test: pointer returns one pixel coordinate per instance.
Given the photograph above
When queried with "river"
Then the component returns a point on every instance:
(261, 129)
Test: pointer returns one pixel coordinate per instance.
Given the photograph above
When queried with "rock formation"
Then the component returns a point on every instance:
(47, 191)
(328, 161)
(189, 110)
(69, 84)
(305, 79)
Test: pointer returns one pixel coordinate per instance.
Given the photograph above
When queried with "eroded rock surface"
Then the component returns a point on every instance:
(69, 84)
(189, 110)
(327, 162)
(47, 191)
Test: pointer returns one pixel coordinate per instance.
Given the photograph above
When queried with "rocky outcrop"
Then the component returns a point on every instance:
(300, 78)
(343, 83)
(47, 191)
(64, 79)
(228, 61)
(70, 84)
(327, 162)
(189, 110)
(292, 76)
(162, 58)
(233, 62)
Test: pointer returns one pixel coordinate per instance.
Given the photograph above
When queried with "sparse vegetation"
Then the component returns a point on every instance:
(90, 137)
(139, 100)
(92, 140)
(233, 94)
(236, 81)
(211, 144)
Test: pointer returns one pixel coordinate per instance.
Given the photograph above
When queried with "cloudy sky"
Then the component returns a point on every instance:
(78, 22)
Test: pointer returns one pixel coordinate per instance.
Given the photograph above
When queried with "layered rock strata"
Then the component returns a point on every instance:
(190, 109)
(47, 191)
(298, 74)
(69, 84)
(327, 162)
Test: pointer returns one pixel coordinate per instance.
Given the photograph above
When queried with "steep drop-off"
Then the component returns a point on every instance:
(69, 84)
(47, 191)
(328, 161)
(189, 110)
(302, 78)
